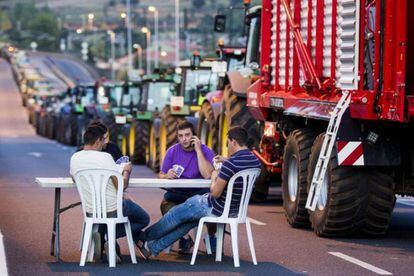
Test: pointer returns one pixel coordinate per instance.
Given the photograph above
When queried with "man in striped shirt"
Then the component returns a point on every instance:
(182, 218)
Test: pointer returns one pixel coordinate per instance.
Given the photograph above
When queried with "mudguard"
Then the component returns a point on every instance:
(360, 143)
(238, 83)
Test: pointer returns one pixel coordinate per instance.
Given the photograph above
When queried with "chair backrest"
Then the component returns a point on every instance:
(248, 176)
(97, 180)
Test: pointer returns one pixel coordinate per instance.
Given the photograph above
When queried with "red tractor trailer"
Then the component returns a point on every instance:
(336, 97)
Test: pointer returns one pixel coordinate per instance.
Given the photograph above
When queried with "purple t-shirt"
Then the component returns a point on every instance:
(188, 159)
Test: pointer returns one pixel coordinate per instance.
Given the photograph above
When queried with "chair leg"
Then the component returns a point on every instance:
(111, 245)
(197, 242)
(92, 244)
(207, 243)
(234, 243)
(220, 239)
(86, 241)
(130, 242)
(82, 236)
(250, 240)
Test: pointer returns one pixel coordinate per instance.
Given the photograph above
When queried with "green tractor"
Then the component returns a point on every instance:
(155, 92)
(197, 78)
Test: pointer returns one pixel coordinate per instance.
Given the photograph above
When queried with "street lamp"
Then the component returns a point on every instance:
(156, 52)
(91, 16)
(139, 54)
(129, 33)
(177, 32)
(112, 39)
(146, 31)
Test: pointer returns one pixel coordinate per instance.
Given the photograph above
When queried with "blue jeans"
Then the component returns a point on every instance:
(176, 223)
(137, 216)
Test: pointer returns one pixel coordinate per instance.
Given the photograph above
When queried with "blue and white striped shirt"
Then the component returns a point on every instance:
(239, 161)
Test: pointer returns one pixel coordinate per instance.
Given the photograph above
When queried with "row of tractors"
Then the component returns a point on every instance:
(324, 88)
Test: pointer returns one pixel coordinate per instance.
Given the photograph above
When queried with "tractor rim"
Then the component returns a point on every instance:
(132, 140)
(124, 145)
(323, 196)
(224, 129)
(163, 140)
(152, 145)
(293, 178)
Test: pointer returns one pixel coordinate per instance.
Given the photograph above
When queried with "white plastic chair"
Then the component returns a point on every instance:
(97, 181)
(249, 176)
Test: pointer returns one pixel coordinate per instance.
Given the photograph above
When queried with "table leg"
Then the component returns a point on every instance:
(55, 242)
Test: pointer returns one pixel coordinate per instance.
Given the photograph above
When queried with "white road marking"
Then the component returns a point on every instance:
(409, 203)
(360, 263)
(35, 154)
(257, 222)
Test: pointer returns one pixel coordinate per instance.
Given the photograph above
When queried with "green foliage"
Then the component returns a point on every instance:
(34, 24)
(5, 23)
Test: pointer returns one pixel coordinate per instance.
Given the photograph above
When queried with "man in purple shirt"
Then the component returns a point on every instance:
(196, 161)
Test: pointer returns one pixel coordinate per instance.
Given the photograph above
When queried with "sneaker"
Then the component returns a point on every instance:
(97, 251)
(185, 246)
(118, 259)
(143, 250)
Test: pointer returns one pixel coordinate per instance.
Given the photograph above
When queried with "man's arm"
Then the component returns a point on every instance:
(217, 185)
(204, 165)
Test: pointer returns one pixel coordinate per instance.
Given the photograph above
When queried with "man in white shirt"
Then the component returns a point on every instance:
(92, 157)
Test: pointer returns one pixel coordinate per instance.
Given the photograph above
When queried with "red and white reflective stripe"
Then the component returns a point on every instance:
(350, 153)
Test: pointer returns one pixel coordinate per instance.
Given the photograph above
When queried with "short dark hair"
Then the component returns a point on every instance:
(100, 124)
(93, 133)
(239, 134)
(185, 125)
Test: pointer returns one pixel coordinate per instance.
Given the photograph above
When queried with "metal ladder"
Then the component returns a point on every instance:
(326, 150)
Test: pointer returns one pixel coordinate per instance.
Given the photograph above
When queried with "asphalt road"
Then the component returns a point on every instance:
(26, 221)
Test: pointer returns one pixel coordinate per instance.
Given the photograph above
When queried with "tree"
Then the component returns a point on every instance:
(5, 23)
(198, 3)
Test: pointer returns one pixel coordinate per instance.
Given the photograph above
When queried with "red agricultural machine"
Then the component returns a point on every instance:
(336, 97)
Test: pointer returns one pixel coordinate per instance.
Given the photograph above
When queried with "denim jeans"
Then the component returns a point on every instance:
(176, 223)
(137, 216)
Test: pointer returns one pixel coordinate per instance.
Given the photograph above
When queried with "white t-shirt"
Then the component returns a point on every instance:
(92, 159)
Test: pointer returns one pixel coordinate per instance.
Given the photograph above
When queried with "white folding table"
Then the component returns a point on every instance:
(67, 182)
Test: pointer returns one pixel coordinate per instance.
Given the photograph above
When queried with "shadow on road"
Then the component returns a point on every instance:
(204, 264)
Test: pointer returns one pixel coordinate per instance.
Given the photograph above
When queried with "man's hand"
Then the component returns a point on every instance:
(196, 143)
(214, 175)
(171, 174)
(128, 167)
(219, 158)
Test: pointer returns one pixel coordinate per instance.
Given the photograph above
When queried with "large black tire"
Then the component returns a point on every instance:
(139, 141)
(71, 128)
(208, 127)
(50, 126)
(234, 112)
(294, 177)
(42, 124)
(154, 154)
(359, 201)
(109, 122)
(168, 132)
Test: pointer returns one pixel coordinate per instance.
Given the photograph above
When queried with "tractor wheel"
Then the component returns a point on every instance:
(294, 177)
(168, 133)
(234, 112)
(50, 126)
(153, 146)
(124, 143)
(139, 141)
(207, 127)
(109, 122)
(37, 122)
(71, 130)
(42, 125)
(353, 200)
